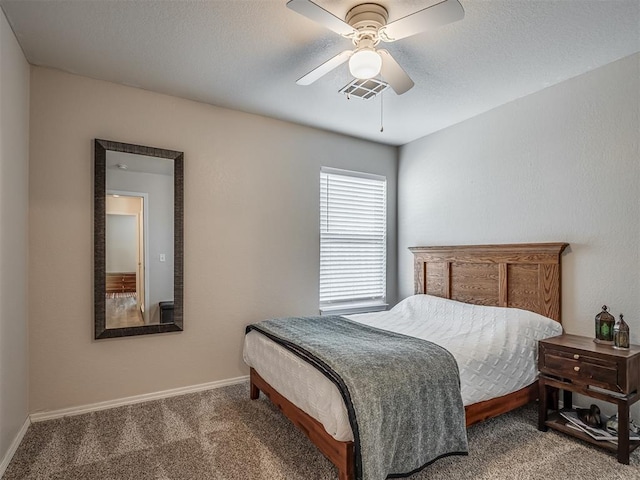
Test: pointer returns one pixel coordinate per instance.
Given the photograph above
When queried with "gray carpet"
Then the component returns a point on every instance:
(221, 434)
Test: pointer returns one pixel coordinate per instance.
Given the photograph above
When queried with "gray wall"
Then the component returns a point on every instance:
(559, 165)
(14, 188)
(251, 233)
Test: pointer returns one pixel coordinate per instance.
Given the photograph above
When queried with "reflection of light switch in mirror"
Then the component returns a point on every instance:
(162, 257)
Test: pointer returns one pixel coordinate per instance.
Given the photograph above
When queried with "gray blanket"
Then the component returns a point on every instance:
(402, 393)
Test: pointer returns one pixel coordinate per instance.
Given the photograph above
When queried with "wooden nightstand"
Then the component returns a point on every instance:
(576, 364)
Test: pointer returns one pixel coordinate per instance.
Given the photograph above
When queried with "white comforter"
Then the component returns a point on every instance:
(496, 351)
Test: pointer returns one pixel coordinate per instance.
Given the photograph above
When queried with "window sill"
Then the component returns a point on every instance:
(354, 308)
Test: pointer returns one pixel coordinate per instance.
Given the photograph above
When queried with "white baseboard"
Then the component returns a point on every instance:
(14, 446)
(94, 407)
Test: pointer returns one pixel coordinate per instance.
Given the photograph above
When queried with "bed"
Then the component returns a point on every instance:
(519, 276)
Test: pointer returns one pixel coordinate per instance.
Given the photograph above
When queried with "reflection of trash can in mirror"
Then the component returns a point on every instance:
(166, 312)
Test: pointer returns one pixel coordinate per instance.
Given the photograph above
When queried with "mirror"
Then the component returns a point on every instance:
(138, 246)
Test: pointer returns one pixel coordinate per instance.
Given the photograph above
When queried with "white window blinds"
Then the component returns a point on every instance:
(353, 238)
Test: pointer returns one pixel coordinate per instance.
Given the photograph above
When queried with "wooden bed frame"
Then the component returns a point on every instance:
(525, 276)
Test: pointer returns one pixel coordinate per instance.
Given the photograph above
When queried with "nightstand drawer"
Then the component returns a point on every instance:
(582, 369)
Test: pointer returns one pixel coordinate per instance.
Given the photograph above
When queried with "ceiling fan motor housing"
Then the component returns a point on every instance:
(367, 19)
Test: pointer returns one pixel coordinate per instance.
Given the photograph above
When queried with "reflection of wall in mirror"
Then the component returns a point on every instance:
(121, 236)
(121, 233)
(160, 193)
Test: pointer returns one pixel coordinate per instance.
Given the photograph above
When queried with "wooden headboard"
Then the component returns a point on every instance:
(525, 276)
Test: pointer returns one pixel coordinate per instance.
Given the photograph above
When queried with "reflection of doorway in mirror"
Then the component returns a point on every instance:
(126, 295)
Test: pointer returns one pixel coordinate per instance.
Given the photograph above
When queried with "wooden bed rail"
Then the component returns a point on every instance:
(338, 453)
(341, 454)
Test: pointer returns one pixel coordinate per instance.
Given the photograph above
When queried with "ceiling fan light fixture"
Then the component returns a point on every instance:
(365, 63)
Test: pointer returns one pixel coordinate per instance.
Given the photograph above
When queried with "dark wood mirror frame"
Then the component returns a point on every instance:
(99, 229)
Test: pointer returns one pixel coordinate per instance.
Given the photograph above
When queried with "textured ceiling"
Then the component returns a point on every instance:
(247, 55)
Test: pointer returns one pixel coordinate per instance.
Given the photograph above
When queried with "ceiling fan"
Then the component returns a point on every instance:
(366, 25)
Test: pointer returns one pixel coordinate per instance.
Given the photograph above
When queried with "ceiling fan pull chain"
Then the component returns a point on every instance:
(381, 112)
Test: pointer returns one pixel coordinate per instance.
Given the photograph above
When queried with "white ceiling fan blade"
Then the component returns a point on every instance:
(318, 14)
(393, 74)
(429, 18)
(325, 68)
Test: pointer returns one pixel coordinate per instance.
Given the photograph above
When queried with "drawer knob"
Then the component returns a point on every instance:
(577, 369)
(576, 356)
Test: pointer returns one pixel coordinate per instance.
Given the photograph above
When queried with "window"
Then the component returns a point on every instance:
(353, 241)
